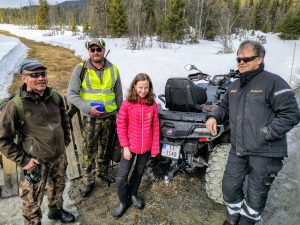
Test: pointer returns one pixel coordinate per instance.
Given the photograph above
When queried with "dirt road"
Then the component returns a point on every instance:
(59, 62)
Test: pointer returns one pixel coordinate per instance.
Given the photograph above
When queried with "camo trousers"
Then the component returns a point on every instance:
(97, 146)
(54, 176)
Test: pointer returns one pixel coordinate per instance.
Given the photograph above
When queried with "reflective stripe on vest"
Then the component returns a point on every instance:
(94, 91)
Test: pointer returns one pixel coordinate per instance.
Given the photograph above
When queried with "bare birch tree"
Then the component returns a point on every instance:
(226, 20)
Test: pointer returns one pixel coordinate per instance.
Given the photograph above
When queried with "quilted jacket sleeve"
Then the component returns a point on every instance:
(156, 133)
(122, 125)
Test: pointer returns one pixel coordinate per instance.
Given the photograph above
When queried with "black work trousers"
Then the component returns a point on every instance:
(125, 187)
(248, 200)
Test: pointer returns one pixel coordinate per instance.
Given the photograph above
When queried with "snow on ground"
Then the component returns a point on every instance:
(162, 63)
(12, 52)
(159, 63)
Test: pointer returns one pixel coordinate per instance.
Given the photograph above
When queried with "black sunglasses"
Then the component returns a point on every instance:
(246, 59)
(37, 74)
(95, 49)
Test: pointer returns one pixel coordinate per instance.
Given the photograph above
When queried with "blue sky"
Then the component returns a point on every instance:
(18, 3)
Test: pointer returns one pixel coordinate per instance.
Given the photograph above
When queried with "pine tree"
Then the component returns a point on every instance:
(85, 28)
(73, 25)
(290, 26)
(259, 15)
(1, 16)
(272, 11)
(175, 23)
(117, 19)
(42, 18)
(150, 17)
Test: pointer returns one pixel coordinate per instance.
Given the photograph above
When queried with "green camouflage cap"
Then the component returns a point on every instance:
(98, 42)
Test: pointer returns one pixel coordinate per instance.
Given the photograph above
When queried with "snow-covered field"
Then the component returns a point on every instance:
(162, 63)
(159, 63)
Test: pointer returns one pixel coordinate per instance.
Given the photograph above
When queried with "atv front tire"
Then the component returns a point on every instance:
(215, 171)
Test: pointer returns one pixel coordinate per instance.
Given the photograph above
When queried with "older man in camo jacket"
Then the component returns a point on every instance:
(43, 137)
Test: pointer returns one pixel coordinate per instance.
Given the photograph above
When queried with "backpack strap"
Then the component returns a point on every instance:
(82, 72)
(20, 110)
(55, 97)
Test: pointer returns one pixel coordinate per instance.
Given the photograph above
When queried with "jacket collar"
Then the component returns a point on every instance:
(32, 95)
(141, 100)
(247, 76)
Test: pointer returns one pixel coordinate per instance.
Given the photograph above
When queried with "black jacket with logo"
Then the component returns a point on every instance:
(261, 108)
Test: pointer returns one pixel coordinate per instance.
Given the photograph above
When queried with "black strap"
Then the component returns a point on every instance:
(82, 72)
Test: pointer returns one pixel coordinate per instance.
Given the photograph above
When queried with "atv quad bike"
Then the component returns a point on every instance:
(186, 143)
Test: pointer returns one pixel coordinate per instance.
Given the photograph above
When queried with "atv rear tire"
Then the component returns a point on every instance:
(215, 171)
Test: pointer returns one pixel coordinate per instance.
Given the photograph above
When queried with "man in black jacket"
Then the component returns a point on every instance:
(261, 108)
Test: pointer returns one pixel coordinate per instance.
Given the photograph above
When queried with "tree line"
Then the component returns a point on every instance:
(174, 21)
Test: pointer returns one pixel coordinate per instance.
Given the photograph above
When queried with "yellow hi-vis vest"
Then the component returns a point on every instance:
(94, 91)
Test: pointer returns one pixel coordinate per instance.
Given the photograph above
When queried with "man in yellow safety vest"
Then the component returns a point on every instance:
(98, 95)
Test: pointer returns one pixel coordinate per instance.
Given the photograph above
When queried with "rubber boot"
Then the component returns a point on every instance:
(246, 221)
(121, 209)
(137, 202)
(227, 222)
(60, 214)
(231, 220)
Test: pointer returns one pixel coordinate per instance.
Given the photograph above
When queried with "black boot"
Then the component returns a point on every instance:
(246, 221)
(107, 177)
(86, 190)
(121, 209)
(231, 219)
(227, 222)
(137, 202)
(60, 214)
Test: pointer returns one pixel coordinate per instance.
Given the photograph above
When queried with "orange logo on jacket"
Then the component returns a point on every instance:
(233, 91)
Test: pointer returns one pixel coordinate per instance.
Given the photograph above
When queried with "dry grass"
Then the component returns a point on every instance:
(59, 62)
(181, 202)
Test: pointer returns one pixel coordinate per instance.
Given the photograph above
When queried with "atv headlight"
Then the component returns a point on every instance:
(167, 131)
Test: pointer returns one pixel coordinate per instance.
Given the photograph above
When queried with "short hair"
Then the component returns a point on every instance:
(256, 46)
(133, 95)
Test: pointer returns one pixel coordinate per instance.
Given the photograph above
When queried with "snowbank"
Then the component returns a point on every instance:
(11, 54)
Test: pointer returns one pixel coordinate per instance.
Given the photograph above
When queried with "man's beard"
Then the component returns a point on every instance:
(97, 59)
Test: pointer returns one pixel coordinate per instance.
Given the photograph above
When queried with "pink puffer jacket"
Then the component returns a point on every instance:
(138, 127)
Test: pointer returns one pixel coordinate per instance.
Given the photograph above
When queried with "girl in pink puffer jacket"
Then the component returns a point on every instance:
(138, 132)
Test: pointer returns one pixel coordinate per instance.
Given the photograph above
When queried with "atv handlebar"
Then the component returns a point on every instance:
(162, 98)
(199, 76)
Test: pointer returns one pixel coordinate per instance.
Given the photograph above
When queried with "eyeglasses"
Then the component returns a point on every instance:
(246, 59)
(92, 50)
(37, 74)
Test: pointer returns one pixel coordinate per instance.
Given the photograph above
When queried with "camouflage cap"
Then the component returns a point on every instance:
(99, 42)
(30, 65)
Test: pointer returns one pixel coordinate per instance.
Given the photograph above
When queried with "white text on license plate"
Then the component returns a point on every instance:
(171, 151)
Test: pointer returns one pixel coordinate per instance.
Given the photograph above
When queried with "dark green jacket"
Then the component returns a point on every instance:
(45, 133)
